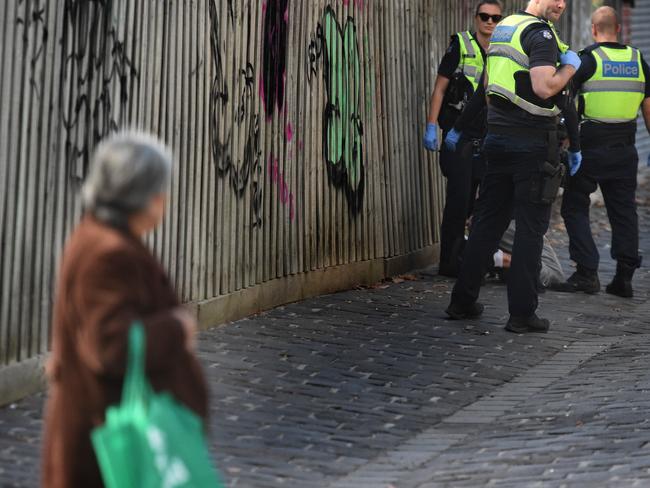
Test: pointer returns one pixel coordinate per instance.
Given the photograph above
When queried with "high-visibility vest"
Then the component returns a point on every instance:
(471, 62)
(506, 57)
(615, 91)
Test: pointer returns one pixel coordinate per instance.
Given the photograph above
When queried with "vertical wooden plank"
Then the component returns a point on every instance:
(389, 182)
(203, 176)
(49, 158)
(365, 235)
(357, 242)
(381, 235)
(287, 117)
(423, 161)
(220, 23)
(196, 150)
(258, 215)
(241, 121)
(379, 222)
(234, 54)
(137, 41)
(171, 134)
(220, 26)
(399, 145)
(26, 176)
(296, 64)
(162, 112)
(180, 145)
(410, 128)
(327, 204)
(310, 211)
(244, 232)
(58, 178)
(186, 149)
(6, 67)
(35, 194)
(8, 312)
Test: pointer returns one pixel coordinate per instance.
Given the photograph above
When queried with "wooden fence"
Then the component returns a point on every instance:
(296, 128)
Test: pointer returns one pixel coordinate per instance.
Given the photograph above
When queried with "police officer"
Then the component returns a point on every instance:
(527, 66)
(612, 84)
(460, 71)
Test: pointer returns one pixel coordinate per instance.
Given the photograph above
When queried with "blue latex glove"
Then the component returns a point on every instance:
(452, 139)
(575, 160)
(570, 57)
(431, 137)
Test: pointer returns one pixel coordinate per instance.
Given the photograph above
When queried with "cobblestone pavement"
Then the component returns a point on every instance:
(374, 387)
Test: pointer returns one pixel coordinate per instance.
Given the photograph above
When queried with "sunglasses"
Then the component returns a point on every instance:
(485, 17)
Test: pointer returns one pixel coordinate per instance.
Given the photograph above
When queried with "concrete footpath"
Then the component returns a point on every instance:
(375, 388)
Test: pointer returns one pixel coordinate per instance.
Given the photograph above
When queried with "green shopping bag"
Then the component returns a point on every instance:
(150, 440)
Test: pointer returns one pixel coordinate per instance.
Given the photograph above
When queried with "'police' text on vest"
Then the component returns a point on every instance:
(619, 69)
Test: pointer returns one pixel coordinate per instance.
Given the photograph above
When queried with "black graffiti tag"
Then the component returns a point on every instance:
(93, 60)
(242, 169)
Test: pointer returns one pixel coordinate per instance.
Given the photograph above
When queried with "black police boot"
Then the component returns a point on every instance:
(582, 280)
(456, 311)
(521, 325)
(621, 285)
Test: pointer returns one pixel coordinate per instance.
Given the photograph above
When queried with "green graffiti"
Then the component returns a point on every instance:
(342, 144)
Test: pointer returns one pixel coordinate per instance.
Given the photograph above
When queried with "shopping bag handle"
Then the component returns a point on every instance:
(134, 391)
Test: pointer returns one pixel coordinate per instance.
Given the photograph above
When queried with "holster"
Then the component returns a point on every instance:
(546, 183)
(456, 97)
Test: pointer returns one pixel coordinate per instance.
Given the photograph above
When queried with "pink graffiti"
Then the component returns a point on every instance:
(288, 132)
(286, 197)
(358, 3)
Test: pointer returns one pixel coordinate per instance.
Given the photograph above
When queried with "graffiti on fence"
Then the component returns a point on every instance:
(274, 55)
(94, 59)
(358, 3)
(315, 52)
(285, 196)
(242, 167)
(33, 20)
(342, 127)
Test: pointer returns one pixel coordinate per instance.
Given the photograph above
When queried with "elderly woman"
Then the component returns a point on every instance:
(108, 279)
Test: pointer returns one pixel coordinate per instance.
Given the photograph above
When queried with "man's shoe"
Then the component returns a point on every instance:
(621, 285)
(460, 312)
(522, 325)
(583, 279)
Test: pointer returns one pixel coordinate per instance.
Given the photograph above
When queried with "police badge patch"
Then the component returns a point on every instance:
(547, 34)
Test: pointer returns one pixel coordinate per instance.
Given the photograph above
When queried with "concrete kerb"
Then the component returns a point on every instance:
(27, 377)
(22, 379)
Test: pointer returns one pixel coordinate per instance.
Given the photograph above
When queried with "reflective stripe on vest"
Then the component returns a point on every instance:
(471, 62)
(506, 57)
(616, 89)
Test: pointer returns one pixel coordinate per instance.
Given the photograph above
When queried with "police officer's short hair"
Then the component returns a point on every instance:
(488, 2)
(606, 19)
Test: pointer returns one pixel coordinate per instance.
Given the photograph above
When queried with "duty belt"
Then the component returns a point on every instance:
(550, 137)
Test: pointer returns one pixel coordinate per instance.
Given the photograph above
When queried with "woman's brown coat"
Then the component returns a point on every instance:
(108, 279)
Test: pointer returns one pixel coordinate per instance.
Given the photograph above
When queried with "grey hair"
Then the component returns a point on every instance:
(128, 169)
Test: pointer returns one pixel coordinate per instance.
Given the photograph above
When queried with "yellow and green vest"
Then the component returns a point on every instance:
(506, 57)
(471, 61)
(615, 91)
